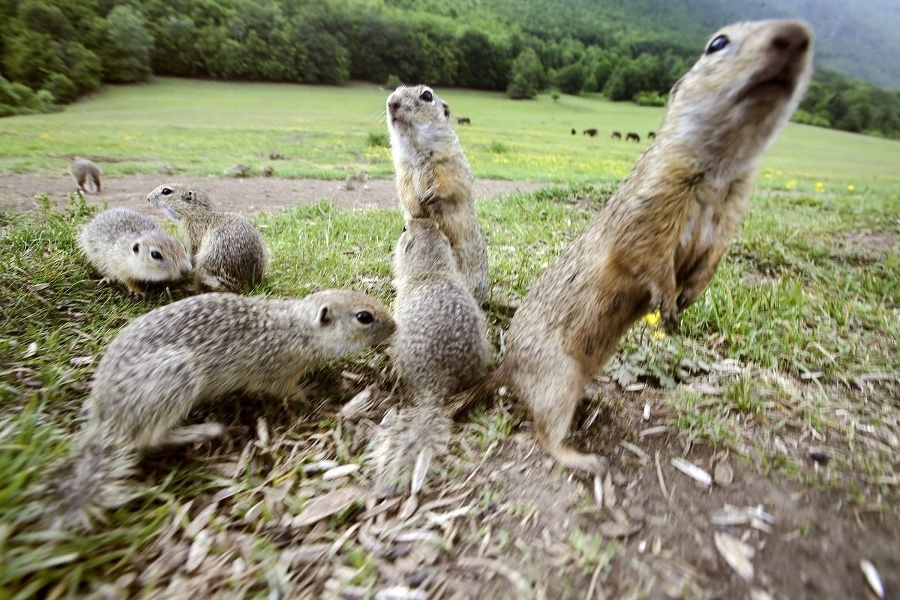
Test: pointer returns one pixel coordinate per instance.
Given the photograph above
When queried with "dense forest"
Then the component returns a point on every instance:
(53, 51)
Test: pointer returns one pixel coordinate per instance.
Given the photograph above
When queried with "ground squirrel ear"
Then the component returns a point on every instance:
(136, 248)
(324, 317)
(446, 110)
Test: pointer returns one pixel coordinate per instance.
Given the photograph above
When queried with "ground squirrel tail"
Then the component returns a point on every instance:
(405, 445)
(89, 482)
(478, 393)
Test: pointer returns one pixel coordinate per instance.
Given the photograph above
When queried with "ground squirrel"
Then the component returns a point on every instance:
(356, 181)
(434, 179)
(440, 348)
(228, 252)
(239, 170)
(166, 362)
(659, 239)
(127, 246)
(81, 169)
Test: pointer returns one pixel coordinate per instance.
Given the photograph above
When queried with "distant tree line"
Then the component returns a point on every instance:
(53, 51)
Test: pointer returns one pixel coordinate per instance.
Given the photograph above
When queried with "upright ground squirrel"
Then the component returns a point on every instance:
(658, 240)
(434, 179)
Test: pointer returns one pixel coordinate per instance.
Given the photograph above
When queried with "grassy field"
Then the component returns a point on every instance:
(205, 127)
(792, 347)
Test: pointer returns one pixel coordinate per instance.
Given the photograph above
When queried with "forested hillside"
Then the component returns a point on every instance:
(52, 51)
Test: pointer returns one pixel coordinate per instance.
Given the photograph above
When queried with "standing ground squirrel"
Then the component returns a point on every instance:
(356, 181)
(659, 239)
(166, 362)
(81, 169)
(127, 246)
(228, 252)
(439, 349)
(434, 179)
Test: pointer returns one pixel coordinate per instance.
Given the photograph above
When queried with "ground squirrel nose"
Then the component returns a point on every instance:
(792, 38)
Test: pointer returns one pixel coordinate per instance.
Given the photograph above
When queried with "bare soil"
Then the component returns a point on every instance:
(247, 195)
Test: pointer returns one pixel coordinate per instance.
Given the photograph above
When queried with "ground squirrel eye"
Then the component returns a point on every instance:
(426, 96)
(166, 191)
(156, 255)
(717, 44)
(136, 248)
(364, 317)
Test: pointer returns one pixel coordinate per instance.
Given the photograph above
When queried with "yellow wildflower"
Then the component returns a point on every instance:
(851, 187)
(652, 319)
(659, 334)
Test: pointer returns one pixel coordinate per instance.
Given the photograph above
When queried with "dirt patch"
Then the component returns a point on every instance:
(248, 195)
(866, 247)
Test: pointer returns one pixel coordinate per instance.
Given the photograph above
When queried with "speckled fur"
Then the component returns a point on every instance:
(440, 347)
(121, 243)
(434, 180)
(659, 239)
(164, 363)
(227, 250)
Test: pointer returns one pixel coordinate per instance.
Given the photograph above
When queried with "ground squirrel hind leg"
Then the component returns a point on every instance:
(190, 434)
(207, 280)
(553, 417)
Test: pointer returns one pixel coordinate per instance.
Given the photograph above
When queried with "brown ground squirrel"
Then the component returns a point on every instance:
(227, 250)
(433, 177)
(81, 169)
(659, 239)
(166, 362)
(127, 246)
(439, 349)
(356, 181)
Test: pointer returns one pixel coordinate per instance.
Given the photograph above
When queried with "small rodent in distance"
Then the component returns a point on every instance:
(82, 170)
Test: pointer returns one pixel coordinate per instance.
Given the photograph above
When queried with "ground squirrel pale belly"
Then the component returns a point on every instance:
(164, 363)
(659, 239)
(127, 246)
(434, 179)
(439, 349)
(227, 251)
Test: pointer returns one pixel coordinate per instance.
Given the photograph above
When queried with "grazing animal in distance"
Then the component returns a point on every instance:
(463, 121)
(591, 132)
(632, 136)
(616, 135)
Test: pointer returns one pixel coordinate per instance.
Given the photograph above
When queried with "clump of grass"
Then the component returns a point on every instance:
(498, 148)
(378, 139)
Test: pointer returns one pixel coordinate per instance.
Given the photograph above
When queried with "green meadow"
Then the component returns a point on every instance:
(205, 127)
(793, 343)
